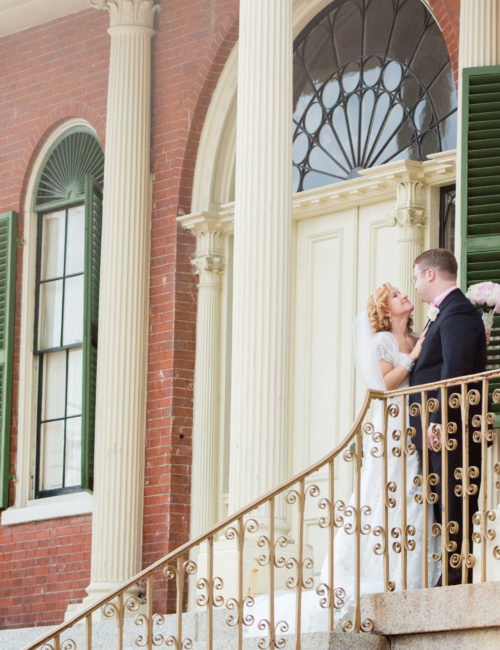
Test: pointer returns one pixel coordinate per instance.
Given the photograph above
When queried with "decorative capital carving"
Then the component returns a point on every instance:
(211, 263)
(411, 214)
(129, 13)
(209, 251)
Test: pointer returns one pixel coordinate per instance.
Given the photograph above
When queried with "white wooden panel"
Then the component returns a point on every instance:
(378, 249)
(324, 373)
(378, 254)
(326, 271)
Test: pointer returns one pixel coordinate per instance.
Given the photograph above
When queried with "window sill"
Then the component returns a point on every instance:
(65, 505)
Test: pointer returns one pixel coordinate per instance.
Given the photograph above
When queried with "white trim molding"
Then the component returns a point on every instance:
(65, 505)
(373, 185)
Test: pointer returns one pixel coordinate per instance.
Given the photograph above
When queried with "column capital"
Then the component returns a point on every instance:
(411, 213)
(129, 13)
(209, 250)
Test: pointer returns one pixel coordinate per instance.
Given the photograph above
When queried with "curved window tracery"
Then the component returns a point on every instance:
(373, 83)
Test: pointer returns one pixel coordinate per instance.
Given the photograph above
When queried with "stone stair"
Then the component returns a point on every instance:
(104, 634)
(461, 617)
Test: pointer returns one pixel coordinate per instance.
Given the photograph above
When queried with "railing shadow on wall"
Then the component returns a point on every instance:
(384, 538)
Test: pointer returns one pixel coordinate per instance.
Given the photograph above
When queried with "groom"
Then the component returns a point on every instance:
(455, 345)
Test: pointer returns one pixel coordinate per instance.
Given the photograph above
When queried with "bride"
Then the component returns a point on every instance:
(385, 352)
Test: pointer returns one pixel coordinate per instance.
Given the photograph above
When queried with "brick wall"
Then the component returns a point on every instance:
(49, 73)
(43, 567)
(447, 14)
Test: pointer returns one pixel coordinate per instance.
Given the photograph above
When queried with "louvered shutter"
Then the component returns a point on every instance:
(480, 204)
(8, 235)
(93, 223)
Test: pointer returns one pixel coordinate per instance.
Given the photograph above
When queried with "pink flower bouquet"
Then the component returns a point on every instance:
(486, 296)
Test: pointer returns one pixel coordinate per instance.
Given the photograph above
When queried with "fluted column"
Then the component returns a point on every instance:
(479, 33)
(208, 263)
(411, 220)
(479, 45)
(262, 249)
(124, 290)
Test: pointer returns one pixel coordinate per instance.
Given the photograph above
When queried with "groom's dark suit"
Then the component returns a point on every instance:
(454, 345)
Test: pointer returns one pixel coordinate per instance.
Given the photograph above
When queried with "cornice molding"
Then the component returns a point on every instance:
(374, 184)
(200, 222)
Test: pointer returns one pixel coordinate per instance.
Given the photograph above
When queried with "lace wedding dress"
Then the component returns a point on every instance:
(370, 349)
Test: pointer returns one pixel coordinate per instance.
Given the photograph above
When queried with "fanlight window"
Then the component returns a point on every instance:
(372, 84)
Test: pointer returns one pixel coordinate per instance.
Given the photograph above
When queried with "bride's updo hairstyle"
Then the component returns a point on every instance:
(377, 308)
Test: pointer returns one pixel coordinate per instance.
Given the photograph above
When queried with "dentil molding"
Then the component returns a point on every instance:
(124, 13)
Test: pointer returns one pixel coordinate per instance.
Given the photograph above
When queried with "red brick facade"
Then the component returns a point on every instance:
(447, 14)
(44, 565)
(50, 74)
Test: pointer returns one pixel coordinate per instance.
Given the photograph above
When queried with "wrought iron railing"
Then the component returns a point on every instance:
(380, 553)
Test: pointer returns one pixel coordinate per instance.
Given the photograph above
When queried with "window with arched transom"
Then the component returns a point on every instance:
(373, 84)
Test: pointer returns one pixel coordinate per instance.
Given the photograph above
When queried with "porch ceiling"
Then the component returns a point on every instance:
(16, 15)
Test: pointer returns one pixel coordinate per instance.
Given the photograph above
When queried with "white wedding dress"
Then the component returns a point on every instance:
(369, 351)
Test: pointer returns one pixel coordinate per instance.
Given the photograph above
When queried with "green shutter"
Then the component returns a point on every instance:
(480, 204)
(8, 238)
(93, 223)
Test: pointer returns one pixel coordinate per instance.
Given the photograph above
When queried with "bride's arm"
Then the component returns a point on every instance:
(394, 375)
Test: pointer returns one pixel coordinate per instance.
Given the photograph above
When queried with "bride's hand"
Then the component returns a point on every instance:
(415, 353)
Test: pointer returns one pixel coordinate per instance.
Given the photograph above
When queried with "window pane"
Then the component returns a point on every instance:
(49, 315)
(73, 451)
(54, 385)
(73, 310)
(75, 243)
(51, 455)
(74, 382)
(53, 234)
(348, 33)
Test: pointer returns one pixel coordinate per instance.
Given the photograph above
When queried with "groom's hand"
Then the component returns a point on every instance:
(433, 434)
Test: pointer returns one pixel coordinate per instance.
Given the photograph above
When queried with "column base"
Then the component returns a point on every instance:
(255, 576)
(98, 590)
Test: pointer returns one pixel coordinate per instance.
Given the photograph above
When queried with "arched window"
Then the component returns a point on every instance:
(372, 84)
(68, 202)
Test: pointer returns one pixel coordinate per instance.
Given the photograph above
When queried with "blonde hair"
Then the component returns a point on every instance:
(378, 308)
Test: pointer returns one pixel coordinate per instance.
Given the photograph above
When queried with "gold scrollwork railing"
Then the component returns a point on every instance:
(404, 525)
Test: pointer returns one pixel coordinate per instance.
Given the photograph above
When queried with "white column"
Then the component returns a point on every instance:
(479, 32)
(262, 249)
(209, 263)
(411, 221)
(124, 291)
(479, 45)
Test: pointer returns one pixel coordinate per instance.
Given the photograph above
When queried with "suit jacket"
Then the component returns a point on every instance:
(455, 345)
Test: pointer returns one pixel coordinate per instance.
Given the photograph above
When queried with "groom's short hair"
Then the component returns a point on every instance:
(439, 259)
